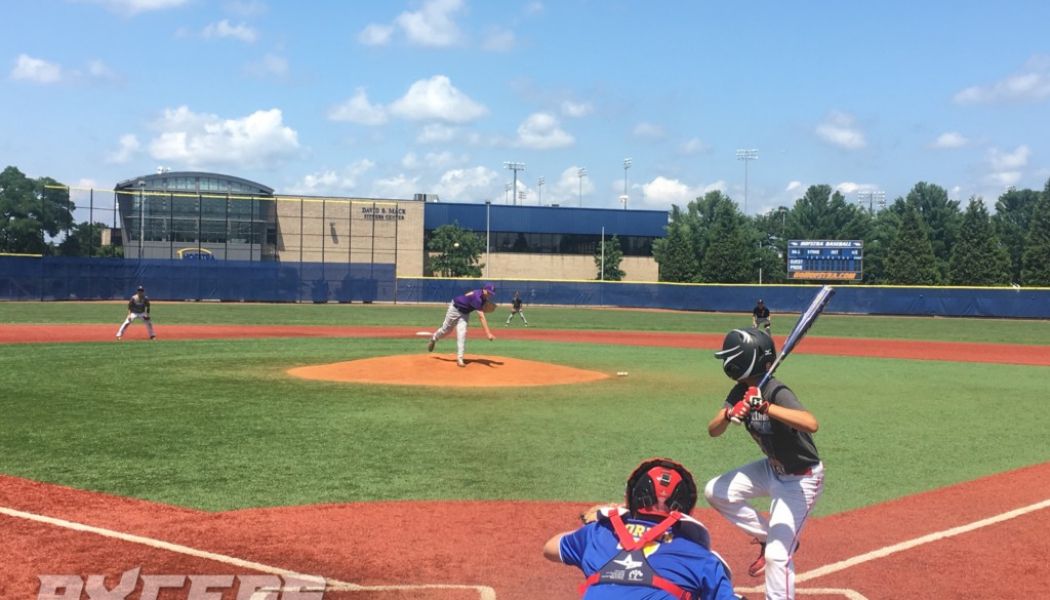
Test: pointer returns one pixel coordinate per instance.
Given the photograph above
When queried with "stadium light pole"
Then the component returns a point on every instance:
(515, 166)
(626, 165)
(746, 156)
(506, 194)
(488, 210)
(142, 216)
(539, 190)
(872, 197)
(581, 173)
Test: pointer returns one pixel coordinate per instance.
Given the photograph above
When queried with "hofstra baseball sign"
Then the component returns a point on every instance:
(827, 260)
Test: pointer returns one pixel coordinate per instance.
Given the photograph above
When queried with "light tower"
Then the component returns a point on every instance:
(746, 156)
(626, 165)
(539, 190)
(581, 173)
(515, 166)
(873, 197)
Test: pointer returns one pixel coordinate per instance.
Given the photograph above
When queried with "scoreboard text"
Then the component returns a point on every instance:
(825, 259)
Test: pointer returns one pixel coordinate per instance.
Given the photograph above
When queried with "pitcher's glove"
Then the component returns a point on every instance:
(754, 399)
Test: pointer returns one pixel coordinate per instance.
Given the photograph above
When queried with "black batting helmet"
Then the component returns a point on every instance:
(746, 352)
(661, 485)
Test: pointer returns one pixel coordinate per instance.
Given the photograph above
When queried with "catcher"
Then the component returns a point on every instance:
(649, 547)
(138, 308)
(458, 314)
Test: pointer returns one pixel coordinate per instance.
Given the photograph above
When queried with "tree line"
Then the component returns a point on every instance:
(923, 238)
(36, 217)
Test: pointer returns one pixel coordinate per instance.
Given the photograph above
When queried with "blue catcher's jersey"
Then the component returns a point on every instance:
(680, 560)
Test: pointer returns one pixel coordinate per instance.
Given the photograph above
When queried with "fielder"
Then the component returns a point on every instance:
(791, 475)
(760, 317)
(138, 308)
(650, 549)
(515, 309)
(458, 314)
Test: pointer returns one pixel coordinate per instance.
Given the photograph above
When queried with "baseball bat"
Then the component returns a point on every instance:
(805, 321)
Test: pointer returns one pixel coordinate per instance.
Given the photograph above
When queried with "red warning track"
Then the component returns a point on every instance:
(905, 349)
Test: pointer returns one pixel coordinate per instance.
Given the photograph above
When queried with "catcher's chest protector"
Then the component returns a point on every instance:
(630, 566)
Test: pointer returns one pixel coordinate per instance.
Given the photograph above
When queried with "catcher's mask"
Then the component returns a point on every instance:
(746, 352)
(660, 485)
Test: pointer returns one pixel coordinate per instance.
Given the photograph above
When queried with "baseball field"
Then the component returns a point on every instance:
(209, 456)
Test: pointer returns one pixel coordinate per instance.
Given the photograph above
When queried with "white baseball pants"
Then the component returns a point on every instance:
(454, 318)
(131, 318)
(792, 499)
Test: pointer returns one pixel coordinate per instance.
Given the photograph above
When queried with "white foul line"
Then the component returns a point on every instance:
(933, 537)
(484, 592)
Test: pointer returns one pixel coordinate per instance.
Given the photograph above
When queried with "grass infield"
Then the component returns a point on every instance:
(216, 424)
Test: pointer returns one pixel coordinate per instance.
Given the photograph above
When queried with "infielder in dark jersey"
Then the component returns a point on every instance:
(760, 317)
(458, 314)
(651, 549)
(515, 309)
(138, 308)
(791, 474)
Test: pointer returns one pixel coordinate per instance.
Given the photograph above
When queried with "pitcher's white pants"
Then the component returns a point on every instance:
(454, 318)
(131, 318)
(793, 497)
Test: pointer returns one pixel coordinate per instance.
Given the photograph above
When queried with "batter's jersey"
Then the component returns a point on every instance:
(684, 562)
(788, 449)
(469, 302)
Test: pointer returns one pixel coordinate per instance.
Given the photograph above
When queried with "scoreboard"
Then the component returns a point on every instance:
(837, 260)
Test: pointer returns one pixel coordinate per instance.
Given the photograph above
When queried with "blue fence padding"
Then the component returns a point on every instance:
(946, 302)
(57, 278)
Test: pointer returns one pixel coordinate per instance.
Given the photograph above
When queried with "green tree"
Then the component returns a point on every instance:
(676, 253)
(821, 214)
(877, 243)
(85, 239)
(730, 248)
(942, 218)
(1013, 213)
(31, 211)
(607, 258)
(1035, 264)
(455, 252)
(771, 229)
(978, 258)
(910, 260)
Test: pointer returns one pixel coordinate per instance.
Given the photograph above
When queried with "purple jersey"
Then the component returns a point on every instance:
(469, 302)
(682, 561)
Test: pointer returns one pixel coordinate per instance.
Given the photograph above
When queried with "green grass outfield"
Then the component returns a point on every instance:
(216, 424)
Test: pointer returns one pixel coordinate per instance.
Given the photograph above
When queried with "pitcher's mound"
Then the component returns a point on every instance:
(441, 370)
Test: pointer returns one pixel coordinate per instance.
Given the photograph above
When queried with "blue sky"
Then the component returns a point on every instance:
(387, 99)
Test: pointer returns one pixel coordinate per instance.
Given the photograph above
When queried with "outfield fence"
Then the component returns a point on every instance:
(66, 278)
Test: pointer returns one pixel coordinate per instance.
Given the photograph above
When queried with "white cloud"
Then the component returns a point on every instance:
(100, 71)
(399, 186)
(35, 70)
(534, 8)
(223, 29)
(1031, 84)
(649, 131)
(260, 139)
(665, 192)
(133, 7)
(475, 183)
(331, 181)
(129, 148)
(542, 131)
(270, 65)
(359, 110)
(1007, 161)
(949, 140)
(693, 146)
(793, 187)
(436, 99)
(576, 109)
(432, 25)
(839, 130)
(498, 40)
(375, 35)
(569, 187)
(1004, 179)
(245, 8)
(436, 133)
(432, 160)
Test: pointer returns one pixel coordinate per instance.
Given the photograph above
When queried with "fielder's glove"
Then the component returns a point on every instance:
(754, 399)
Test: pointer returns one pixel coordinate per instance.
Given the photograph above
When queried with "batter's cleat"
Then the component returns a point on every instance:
(430, 345)
(459, 361)
(152, 337)
(759, 566)
(120, 339)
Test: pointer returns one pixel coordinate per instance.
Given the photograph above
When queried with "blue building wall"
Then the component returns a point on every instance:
(546, 219)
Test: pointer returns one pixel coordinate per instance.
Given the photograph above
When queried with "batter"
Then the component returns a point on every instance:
(791, 475)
